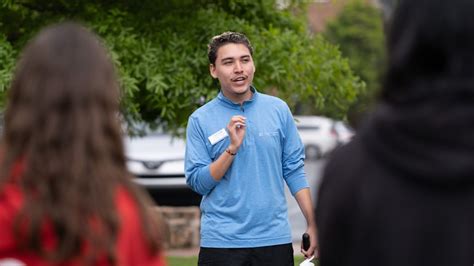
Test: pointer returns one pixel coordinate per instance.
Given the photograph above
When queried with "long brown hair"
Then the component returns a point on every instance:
(62, 124)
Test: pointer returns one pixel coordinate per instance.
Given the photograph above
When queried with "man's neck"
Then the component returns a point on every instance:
(238, 98)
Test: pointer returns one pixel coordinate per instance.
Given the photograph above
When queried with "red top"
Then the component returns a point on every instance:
(131, 245)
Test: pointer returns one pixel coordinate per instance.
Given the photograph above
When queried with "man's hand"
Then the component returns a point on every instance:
(236, 130)
(303, 197)
(313, 248)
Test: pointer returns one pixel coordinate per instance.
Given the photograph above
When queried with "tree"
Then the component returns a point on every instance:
(358, 32)
(160, 49)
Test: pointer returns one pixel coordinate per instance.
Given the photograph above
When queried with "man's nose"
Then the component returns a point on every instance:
(238, 67)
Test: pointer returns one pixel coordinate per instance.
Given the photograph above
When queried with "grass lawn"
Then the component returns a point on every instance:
(192, 261)
(182, 261)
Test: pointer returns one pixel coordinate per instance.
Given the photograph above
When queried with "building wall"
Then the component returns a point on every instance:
(320, 12)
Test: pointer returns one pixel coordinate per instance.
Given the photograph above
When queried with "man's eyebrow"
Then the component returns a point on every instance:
(232, 58)
(227, 59)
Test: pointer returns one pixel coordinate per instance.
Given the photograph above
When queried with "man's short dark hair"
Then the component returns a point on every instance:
(223, 39)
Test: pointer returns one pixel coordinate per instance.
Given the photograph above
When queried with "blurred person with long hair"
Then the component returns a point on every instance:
(402, 193)
(66, 197)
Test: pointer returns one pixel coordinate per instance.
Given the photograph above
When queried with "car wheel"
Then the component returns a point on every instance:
(312, 152)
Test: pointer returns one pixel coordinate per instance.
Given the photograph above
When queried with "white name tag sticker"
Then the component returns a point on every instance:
(218, 136)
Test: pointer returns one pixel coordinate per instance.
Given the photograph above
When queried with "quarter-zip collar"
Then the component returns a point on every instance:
(228, 103)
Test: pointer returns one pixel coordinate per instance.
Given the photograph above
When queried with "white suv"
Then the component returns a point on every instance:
(318, 135)
(157, 161)
(344, 132)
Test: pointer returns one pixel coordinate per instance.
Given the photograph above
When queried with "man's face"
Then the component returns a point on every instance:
(234, 68)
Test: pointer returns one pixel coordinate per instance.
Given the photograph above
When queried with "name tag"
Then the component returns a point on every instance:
(218, 136)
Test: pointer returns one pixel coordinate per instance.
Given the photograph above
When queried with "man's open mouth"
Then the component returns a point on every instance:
(239, 79)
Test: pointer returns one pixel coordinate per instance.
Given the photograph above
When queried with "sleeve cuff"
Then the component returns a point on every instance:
(297, 182)
(208, 182)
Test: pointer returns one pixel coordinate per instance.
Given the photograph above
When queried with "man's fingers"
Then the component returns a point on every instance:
(312, 251)
(239, 125)
(237, 119)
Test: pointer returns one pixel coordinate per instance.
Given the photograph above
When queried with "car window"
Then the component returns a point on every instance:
(342, 127)
(141, 130)
(308, 127)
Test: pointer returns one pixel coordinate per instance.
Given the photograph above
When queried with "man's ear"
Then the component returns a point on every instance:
(212, 70)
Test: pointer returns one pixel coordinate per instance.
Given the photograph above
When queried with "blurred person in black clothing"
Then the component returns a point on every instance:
(402, 192)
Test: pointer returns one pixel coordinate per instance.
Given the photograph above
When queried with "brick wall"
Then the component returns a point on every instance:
(320, 12)
(182, 225)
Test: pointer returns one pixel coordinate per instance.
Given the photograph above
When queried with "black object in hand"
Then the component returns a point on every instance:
(306, 241)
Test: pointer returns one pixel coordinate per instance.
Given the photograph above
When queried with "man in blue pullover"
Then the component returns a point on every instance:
(241, 149)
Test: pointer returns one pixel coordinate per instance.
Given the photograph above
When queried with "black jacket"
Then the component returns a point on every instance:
(402, 192)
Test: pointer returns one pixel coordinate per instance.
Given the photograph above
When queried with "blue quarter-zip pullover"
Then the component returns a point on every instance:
(247, 208)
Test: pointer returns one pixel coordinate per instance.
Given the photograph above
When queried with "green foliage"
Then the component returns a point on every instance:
(307, 70)
(358, 31)
(7, 56)
(160, 50)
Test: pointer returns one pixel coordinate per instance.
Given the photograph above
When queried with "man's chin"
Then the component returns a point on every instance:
(241, 90)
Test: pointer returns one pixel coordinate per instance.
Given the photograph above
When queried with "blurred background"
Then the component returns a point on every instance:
(324, 58)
